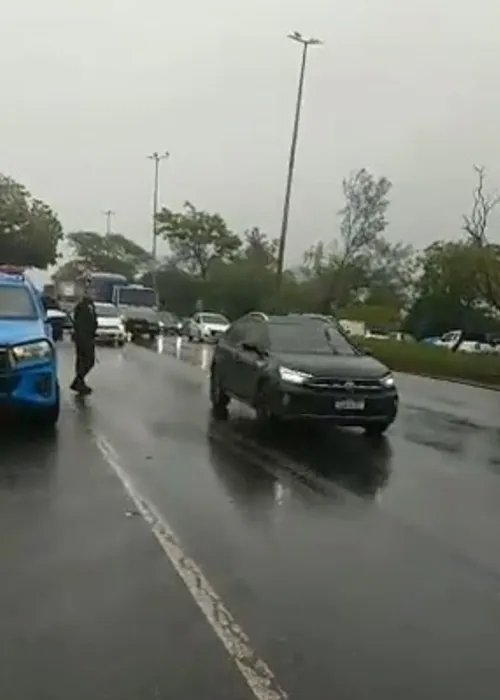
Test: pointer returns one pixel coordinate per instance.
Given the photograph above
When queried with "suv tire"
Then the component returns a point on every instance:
(218, 397)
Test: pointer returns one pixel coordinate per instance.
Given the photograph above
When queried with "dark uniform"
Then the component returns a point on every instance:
(84, 329)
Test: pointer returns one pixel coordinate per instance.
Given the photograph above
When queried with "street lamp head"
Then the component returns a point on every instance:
(158, 156)
(309, 41)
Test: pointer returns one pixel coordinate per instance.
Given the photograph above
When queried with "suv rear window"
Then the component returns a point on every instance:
(16, 303)
(309, 338)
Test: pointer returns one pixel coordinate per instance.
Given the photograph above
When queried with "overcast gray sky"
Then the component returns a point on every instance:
(408, 89)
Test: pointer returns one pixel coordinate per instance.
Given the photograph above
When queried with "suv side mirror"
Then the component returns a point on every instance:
(367, 351)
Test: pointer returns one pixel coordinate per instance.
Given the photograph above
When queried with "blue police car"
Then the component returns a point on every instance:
(28, 365)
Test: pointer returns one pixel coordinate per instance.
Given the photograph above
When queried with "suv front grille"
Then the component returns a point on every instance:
(345, 386)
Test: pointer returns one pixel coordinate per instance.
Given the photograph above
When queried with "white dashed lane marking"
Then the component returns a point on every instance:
(254, 670)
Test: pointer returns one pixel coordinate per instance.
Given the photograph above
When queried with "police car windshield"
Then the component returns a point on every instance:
(308, 338)
(16, 303)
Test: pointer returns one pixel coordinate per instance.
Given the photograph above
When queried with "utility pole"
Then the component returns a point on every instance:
(156, 158)
(109, 213)
(306, 43)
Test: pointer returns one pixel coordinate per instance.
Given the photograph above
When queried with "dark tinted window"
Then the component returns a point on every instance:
(256, 333)
(16, 302)
(309, 338)
(131, 296)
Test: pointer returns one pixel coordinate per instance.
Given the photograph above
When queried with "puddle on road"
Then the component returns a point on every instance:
(471, 445)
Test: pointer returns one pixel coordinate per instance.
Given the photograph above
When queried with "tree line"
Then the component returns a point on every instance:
(359, 274)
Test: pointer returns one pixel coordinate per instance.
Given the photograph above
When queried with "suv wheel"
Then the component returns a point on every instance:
(263, 411)
(218, 397)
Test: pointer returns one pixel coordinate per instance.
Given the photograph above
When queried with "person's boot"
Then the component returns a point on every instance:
(76, 385)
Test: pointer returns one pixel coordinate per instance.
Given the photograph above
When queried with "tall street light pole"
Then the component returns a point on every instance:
(306, 43)
(156, 158)
(109, 213)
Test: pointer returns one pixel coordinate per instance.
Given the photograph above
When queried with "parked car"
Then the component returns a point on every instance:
(206, 326)
(465, 341)
(301, 367)
(57, 317)
(110, 325)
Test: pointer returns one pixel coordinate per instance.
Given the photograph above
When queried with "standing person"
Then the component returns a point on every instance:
(84, 329)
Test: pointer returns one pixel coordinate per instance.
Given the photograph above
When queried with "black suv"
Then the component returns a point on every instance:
(301, 366)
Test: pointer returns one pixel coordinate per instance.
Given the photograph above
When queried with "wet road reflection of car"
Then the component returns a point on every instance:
(322, 458)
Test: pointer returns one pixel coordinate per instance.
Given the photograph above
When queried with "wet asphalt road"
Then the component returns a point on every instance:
(357, 569)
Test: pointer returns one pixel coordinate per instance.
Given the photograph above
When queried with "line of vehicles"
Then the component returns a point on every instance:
(294, 366)
(124, 309)
(286, 367)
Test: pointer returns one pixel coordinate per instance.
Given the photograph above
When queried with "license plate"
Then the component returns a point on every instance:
(350, 405)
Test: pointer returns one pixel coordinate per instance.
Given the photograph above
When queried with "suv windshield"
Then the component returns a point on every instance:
(104, 310)
(214, 318)
(137, 297)
(309, 338)
(16, 302)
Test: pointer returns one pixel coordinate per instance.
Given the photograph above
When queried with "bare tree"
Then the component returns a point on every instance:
(483, 204)
(485, 256)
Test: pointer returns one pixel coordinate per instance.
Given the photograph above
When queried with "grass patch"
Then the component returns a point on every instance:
(418, 358)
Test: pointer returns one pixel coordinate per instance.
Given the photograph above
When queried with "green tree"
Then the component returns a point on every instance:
(259, 249)
(197, 238)
(111, 253)
(390, 271)
(449, 291)
(29, 230)
(341, 269)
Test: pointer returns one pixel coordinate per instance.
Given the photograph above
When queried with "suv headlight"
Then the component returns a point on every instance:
(29, 352)
(388, 381)
(293, 376)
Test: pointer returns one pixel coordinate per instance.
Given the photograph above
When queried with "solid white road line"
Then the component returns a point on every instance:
(254, 670)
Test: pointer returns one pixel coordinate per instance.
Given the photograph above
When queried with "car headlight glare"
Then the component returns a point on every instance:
(292, 376)
(388, 381)
(29, 352)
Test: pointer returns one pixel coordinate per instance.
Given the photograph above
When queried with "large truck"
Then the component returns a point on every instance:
(138, 306)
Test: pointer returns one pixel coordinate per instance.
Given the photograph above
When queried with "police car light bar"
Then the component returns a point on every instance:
(11, 270)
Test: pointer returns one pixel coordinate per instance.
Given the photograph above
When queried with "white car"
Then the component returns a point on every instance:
(206, 326)
(110, 326)
(467, 342)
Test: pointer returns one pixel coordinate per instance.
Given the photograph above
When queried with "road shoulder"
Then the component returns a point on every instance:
(90, 606)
